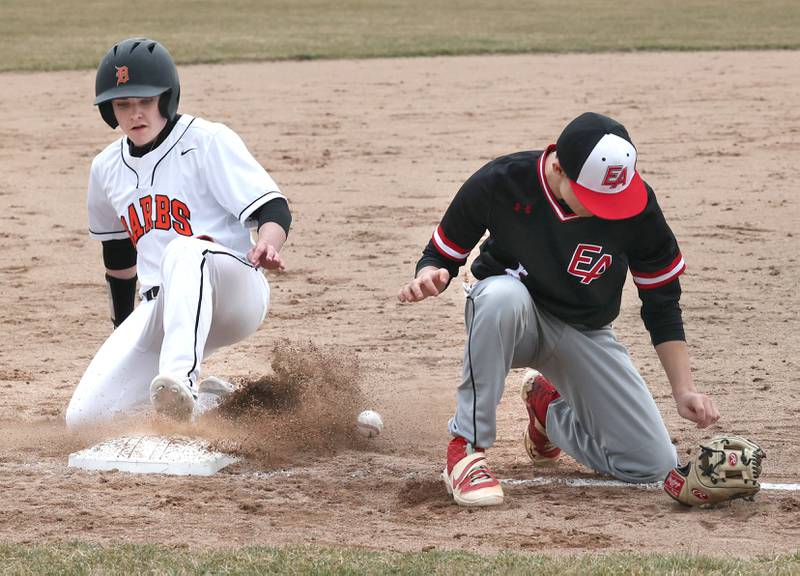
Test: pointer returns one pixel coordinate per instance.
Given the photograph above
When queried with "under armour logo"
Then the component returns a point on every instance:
(584, 266)
(527, 208)
(615, 175)
(122, 75)
(520, 271)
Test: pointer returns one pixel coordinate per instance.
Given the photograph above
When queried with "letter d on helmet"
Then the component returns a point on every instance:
(137, 68)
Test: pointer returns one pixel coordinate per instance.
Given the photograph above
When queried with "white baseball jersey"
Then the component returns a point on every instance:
(200, 181)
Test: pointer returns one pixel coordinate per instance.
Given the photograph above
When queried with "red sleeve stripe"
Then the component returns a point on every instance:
(665, 270)
(447, 247)
(647, 280)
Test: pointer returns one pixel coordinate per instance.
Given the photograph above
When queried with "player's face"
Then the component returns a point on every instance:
(559, 184)
(568, 195)
(139, 118)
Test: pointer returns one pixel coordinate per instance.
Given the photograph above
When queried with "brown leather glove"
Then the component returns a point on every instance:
(726, 468)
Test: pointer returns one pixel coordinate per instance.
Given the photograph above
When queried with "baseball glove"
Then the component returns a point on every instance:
(726, 468)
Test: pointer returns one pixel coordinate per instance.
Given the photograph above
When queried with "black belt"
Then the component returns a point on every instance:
(152, 293)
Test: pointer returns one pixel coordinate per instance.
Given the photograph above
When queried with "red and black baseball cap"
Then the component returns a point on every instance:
(599, 159)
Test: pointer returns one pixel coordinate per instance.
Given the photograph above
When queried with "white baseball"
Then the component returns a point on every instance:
(369, 423)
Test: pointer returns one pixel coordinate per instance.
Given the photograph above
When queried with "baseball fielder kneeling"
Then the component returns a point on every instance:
(565, 224)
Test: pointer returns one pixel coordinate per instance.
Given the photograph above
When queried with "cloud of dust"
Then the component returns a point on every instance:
(50, 438)
(308, 406)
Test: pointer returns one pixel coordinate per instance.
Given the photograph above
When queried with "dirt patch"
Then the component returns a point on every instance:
(369, 154)
(415, 492)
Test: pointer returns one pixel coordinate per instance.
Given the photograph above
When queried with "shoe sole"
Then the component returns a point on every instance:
(537, 458)
(489, 501)
(215, 386)
(170, 400)
(527, 387)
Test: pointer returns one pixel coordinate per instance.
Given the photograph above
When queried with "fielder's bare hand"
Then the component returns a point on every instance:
(266, 252)
(698, 408)
(429, 282)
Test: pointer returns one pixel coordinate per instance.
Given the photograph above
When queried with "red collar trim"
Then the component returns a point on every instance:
(551, 198)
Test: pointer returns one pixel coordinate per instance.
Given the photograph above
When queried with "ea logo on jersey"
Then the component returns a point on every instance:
(122, 75)
(615, 175)
(586, 264)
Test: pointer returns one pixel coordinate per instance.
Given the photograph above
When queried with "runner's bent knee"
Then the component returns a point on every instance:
(74, 416)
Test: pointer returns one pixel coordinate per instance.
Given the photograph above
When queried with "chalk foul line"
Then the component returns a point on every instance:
(602, 483)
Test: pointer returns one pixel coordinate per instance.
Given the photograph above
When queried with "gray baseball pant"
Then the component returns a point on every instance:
(606, 417)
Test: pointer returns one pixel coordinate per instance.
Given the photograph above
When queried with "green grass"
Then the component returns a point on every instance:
(146, 559)
(74, 34)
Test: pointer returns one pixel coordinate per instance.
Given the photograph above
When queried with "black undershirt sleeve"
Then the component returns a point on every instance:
(119, 254)
(661, 312)
(277, 211)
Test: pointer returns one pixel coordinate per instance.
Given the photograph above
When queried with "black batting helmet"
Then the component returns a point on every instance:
(137, 68)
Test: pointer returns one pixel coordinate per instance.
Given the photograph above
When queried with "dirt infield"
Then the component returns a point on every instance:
(369, 153)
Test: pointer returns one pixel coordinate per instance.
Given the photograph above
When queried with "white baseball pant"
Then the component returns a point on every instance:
(209, 297)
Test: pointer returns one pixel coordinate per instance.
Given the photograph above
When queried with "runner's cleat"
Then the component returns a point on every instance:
(171, 398)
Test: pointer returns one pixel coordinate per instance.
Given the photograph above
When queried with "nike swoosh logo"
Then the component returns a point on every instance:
(187, 151)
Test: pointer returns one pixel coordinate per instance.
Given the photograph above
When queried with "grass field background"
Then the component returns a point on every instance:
(71, 34)
(143, 559)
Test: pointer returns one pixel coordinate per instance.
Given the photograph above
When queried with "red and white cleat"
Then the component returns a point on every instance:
(537, 394)
(467, 477)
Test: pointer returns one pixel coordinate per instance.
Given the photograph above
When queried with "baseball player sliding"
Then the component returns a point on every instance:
(171, 201)
(565, 226)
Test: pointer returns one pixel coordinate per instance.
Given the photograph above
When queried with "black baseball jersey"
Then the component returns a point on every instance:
(574, 267)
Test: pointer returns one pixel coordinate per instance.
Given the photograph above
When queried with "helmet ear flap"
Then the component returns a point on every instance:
(107, 112)
(163, 104)
(168, 104)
